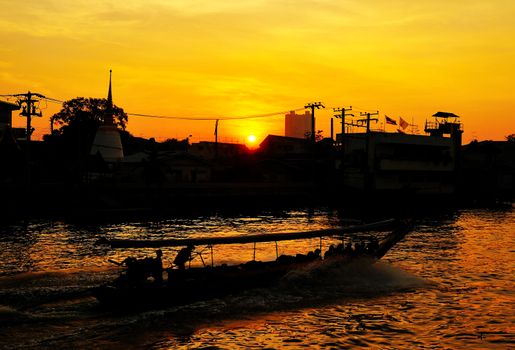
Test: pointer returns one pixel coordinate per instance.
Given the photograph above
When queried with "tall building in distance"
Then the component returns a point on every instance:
(297, 125)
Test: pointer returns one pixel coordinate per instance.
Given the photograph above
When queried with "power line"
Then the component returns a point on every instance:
(50, 99)
(53, 100)
(266, 115)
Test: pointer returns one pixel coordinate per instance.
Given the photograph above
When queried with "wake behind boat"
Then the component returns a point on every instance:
(141, 284)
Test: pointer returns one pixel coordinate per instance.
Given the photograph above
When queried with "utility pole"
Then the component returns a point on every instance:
(342, 116)
(332, 130)
(216, 131)
(52, 125)
(313, 105)
(29, 109)
(368, 120)
(367, 146)
(216, 139)
(26, 101)
(367, 135)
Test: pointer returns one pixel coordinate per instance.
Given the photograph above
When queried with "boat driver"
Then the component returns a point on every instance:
(183, 257)
(156, 267)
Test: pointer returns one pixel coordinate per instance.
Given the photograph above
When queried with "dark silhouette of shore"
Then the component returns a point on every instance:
(167, 177)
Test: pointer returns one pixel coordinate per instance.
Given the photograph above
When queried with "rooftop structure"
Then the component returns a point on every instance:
(444, 123)
(6, 110)
(284, 145)
(212, 150)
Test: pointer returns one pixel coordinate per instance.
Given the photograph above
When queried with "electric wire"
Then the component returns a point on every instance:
(49, 99)
(265, 115)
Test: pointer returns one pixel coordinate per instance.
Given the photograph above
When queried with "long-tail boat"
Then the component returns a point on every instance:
(141, 283)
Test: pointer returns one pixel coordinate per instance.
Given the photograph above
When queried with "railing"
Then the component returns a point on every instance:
(444, 127)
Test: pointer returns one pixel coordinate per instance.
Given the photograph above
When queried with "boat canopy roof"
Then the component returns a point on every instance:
(445, 115)
(270, 237)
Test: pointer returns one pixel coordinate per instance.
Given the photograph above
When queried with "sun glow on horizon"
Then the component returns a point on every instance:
(236, 58)
(251, 139)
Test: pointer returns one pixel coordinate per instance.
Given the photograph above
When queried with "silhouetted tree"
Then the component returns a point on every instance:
(318, 135)
(175, 145)
(78, 121)
(75, 127)
(510, 138)
(85, 113)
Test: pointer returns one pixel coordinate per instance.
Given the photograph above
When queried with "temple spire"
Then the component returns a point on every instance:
(109, 118)
(107, 140)
(110, 94)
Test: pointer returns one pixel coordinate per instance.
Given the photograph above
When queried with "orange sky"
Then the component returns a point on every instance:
(207, 58)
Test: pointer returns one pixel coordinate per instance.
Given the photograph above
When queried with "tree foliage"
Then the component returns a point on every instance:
(85, 114)
(510, 138)
(75, 127)
(318, 135)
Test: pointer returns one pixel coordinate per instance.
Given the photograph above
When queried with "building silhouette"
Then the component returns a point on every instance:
(6, 110)
(297, 125)
(393, 162)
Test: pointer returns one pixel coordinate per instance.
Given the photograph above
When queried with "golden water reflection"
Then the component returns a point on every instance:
(449, 284)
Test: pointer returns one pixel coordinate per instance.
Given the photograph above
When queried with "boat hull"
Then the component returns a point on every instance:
(195, 284)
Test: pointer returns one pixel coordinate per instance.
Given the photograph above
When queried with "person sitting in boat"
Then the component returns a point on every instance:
(375, 244)
(359, 248)
(300, 257)
(183, 257)
(313, 255)
(348, 249)
(372, 246)
(135, 272)
(330, 252)
(156, 267)
(285, 259)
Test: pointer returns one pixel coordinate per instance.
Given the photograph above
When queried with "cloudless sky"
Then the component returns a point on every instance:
(206, 58)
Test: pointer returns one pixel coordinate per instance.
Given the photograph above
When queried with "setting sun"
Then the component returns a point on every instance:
(251, 138)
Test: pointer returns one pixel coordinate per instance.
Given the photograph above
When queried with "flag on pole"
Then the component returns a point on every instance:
(390, 120)
(404, 124)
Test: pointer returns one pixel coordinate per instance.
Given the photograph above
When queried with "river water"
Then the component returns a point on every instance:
(449, 284)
